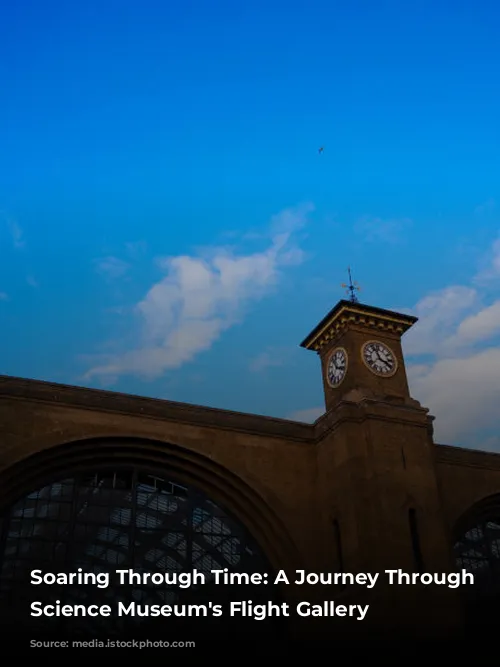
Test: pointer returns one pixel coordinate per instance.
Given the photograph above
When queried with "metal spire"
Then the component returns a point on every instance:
(352, 287)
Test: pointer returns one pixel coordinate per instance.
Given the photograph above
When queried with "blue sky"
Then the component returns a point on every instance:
(168, 228)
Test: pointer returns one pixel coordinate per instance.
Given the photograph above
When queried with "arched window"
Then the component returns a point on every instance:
(126, 519)
(478, 551)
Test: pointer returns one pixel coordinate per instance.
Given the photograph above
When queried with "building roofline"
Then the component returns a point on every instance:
(156, 408)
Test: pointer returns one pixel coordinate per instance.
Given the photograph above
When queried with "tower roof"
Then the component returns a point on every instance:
(347, 313)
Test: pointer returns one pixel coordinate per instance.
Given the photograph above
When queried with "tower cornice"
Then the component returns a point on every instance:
(347, 313)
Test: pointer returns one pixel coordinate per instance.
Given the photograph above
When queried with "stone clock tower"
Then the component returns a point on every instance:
(360, 350)
(376, 463)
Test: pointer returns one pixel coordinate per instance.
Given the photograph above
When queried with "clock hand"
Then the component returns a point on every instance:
(378, 360)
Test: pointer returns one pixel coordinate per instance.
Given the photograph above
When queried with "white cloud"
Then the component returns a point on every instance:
(439, 313)
(202, 296)
(478, 327)
(309, 415)
(460, 384)
(463, 393)
(387, 231)
(112, 267)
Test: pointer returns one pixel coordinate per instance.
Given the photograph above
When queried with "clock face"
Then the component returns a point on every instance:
(336, 367)
(379, 358)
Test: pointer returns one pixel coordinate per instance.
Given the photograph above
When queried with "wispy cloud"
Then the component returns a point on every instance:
(32, 281)
(486, 207)
(136, 249)
(111, 267)
(4, 296)
(200, 297)
(15, 231)
(490, 266)
(271, 358)
(374, 229)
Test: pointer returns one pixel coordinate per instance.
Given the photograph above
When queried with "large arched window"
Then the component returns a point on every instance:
(478, 551)
(119, 520)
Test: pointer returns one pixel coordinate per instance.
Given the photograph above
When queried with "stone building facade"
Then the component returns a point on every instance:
(90, 477)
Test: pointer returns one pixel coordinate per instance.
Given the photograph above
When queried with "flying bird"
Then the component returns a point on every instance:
(321, 149)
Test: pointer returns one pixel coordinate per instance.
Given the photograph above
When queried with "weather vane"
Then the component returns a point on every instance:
(352, 287)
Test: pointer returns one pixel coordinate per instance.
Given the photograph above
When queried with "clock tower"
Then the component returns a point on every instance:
(360, 351)
(376, 459)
